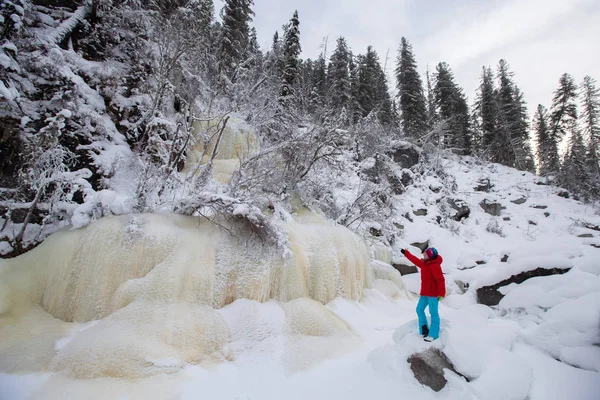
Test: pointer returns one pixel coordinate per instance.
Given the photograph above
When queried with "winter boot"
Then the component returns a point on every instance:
(425, 330)
(428, 339)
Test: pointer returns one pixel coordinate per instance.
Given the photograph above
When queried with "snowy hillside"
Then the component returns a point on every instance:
(539, 342)
(184, 215)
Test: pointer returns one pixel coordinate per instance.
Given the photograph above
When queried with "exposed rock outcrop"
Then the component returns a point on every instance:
(491, 296)
(428, 368)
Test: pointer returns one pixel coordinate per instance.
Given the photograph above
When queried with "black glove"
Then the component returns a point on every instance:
(402, 251)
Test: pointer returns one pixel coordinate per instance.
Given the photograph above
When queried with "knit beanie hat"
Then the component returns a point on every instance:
(431, 253)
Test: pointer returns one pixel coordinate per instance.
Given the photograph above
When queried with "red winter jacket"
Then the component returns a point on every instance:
(433, 283)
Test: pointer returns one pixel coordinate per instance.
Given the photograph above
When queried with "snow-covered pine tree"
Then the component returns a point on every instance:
(547, 151)
(511, 147)
(563, 113)
(273, 62)
(432, 116)
(338, 75)
(373, 92)
(306, 73)
(520, 134)
(574, 174)
(12, 13)
(236, 15)
(318, 83)
(486, 111)
(453, 110)
(291, 60)
(385, 114)
(411, 98)
(355, 111)
(590, 124)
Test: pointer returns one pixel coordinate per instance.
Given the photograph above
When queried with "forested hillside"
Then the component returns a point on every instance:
(102, 104)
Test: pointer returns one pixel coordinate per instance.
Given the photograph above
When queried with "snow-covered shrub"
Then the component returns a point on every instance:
(494, 227)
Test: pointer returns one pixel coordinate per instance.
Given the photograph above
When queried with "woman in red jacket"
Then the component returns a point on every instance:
(433, 289)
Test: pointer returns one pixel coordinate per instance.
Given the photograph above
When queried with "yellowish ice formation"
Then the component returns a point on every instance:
(134, 296)
(238, 142)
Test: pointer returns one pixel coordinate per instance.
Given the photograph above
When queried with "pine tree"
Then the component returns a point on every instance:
(356, 111)
(318, 85)
(547, 153)
(237, 15)
(291, 57)
(413, 111)
(12, 13)
(563, 113)
(253, 49)
(373, 92)
(486, 110)
(574, 174)
(520, 134)
(590, 123)
(511, 146)
(274, 58)
(432, 116)
(453, 109)
(198, 15)
(339, 76)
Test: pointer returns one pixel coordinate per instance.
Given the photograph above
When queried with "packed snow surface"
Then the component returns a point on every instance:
(159, 306)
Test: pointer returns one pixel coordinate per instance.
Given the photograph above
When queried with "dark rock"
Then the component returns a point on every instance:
(586, 235)
(435, 189)
(371, 173)
(564, 194)
(540, 207)
(504, 258)
(480, 262)
(404, 154)
(420, 212)
(461, 208)
(383, 197)
(506, 218)
(592, 227)
(491, 296)
(399, 226)
(408, 217)
(531, 222)
(595, 245)
(462, 287)
(519, 201)
(406, 178)
(546, 214)
(405, 269)
(422, 246)
(428, 368)
(438, 219)
(395, 184)
(542, 183)
(375, 232)
(491, 207)
(484, 185)
(72, 4)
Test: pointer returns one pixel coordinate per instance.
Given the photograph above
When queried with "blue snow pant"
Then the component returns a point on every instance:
(432, 302)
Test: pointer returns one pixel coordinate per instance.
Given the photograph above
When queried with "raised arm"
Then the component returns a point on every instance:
(413, 259)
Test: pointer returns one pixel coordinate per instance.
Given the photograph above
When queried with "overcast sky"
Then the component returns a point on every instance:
(541, 39)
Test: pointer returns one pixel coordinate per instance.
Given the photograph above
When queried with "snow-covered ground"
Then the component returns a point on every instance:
(541, 342)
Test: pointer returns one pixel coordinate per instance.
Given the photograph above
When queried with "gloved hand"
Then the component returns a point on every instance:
(402, 251)
(440, 298)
